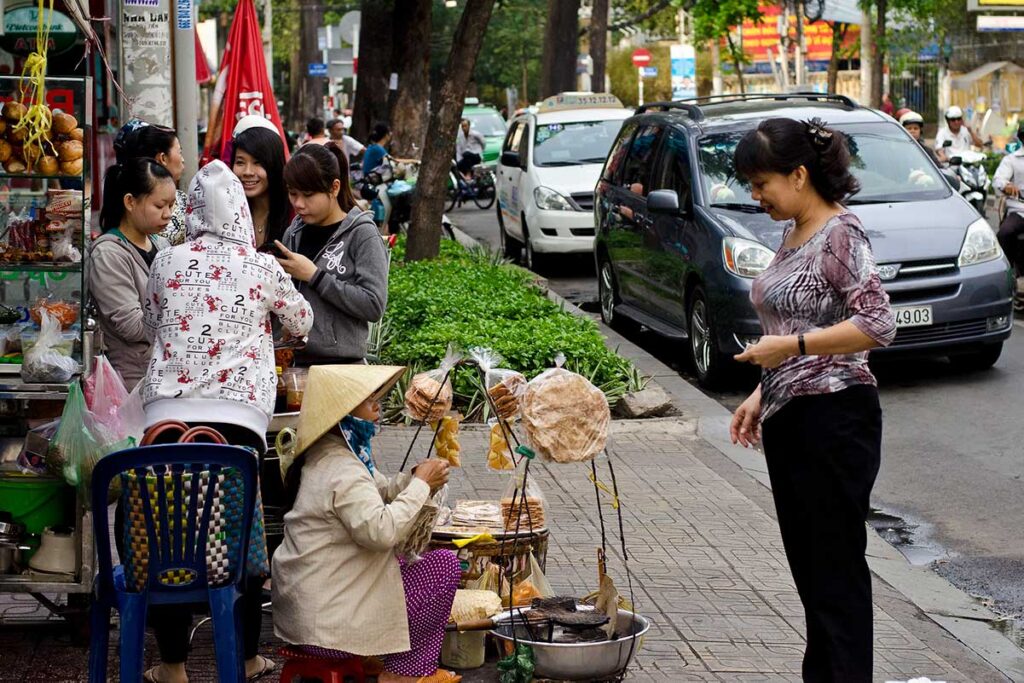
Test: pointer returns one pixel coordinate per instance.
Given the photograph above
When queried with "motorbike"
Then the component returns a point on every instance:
(389, 189)
(975, 184)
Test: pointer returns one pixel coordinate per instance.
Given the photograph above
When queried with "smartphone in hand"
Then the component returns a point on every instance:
(270, 248)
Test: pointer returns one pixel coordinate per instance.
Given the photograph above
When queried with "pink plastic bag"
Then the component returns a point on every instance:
(115, 413)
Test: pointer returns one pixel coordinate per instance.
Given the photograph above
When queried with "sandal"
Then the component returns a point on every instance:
(149, 676)
(267, 666)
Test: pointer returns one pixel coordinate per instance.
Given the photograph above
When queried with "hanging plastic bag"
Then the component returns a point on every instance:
(505, 387)
(491, 579)
(499, 451)
(43, 364)
(565, 416)
(530, 585)
(118, 413)
(522, 508)
(429, 396)
(446, 439)
(75, 448)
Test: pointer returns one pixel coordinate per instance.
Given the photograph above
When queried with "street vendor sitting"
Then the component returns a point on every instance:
(339, 589)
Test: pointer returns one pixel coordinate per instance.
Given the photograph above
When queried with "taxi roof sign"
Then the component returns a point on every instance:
(579, 100)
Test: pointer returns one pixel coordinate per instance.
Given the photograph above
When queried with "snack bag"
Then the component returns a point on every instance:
(523, 508)
(416, 543)
(489, 580)
(499, 452)
(43, 363)
(530, 585)
(446, 440)
(565, 416)
(429, 396)
(505, 387)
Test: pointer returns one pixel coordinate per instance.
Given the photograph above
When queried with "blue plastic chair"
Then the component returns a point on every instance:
(170, 553)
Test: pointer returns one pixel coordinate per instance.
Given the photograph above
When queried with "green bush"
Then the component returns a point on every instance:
(466, 300)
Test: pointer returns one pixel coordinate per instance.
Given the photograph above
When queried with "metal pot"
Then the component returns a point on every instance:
(10, 558)
(579, 661)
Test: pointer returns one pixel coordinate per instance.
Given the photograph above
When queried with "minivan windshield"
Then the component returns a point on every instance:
(890, 166)
(574, 144)
(490, 124)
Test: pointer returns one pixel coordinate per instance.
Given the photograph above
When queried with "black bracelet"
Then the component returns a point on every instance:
(800, 343)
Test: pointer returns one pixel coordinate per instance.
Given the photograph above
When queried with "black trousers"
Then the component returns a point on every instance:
(1010, 231)
(468, 161)
(823, 454)
(171, 624)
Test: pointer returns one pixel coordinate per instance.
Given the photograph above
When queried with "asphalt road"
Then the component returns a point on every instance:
(951, 487)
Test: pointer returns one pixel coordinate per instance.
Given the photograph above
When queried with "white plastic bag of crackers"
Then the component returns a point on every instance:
(429, 396)
(566, 418)
(505, 387)
(523, 508)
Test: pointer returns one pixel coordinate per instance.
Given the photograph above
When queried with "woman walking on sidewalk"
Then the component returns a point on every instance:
(822, 307)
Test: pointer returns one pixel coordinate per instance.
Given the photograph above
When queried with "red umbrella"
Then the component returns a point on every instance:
(243, 86)
(202, 65)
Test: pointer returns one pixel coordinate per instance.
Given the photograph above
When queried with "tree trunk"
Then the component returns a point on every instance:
(412, 64)
(428, 207)
(561, 37)
(838, 35)
(371, 102)
(312, 88)
(878, 56)
(599, 44)
(737, 62)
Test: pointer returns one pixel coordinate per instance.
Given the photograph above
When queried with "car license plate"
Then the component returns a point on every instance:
(912, 316)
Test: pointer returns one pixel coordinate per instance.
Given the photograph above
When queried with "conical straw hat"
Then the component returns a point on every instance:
(332, 392)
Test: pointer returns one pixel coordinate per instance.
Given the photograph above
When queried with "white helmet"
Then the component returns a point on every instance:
(911, 117)
(954, 112)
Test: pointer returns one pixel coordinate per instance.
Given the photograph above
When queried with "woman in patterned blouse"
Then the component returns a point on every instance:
(822, 308)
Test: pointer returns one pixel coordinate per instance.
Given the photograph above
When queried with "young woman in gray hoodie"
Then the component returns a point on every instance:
(336, 254)
(138, 197)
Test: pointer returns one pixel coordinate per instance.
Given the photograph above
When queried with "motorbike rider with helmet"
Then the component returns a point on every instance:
(1009, 179)
(957, 133)
(914, 123)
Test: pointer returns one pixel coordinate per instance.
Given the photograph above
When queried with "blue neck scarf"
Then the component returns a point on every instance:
(358, 433)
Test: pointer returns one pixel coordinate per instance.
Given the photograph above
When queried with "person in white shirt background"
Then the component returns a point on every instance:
(353, 148)
(958, 133)
(469, 148)
(1009, 179)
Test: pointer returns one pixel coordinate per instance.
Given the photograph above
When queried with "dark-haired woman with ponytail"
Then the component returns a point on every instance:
(822, 308)
(138, 198)
(138, 139)
(335, 252)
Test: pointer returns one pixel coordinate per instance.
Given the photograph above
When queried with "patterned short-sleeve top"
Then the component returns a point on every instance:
(829, 279)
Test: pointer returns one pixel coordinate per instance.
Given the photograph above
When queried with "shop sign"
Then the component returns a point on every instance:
(20, 31)
(762, 38)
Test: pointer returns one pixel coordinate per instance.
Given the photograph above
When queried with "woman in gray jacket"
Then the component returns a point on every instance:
(336, 254)
(138, 197)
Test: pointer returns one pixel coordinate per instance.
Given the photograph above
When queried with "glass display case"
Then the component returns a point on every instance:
(45, 199)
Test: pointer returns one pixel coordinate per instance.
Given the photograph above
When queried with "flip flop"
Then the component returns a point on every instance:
(268, 667)
(440, 676)
(149, 676)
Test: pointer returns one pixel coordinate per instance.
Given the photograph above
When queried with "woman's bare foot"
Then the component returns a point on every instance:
(258, 666)
(388, 677)
(439, 676)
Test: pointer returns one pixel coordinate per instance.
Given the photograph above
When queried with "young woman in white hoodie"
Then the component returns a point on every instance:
(208, 306)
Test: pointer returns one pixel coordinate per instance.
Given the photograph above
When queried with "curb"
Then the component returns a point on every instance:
(947, 606)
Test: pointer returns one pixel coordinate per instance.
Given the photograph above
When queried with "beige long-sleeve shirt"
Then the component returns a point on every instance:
(336, 580)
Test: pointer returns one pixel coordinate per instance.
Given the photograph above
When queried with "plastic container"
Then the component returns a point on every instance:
(37, 502)
(464, 650)
(295, 386)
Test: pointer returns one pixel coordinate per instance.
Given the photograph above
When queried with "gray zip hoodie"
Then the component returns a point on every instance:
(117, 278)
(348, 291)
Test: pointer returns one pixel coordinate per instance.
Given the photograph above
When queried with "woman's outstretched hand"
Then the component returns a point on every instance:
(746, 421)
(296, 265)
(434, 472)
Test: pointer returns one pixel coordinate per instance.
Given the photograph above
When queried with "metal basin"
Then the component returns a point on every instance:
(579, 661)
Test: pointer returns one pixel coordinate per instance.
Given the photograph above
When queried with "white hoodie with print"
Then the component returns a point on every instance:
(208, 307)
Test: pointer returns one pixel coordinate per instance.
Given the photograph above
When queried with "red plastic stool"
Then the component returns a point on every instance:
(299, 663)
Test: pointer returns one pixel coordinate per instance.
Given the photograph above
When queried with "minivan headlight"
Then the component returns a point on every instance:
(550, 200)
(980, 244)
(744, 257)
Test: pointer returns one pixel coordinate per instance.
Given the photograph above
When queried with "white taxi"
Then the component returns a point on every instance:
(550, 164)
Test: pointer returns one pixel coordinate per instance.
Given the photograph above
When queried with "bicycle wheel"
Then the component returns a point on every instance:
(453, 191)
(485, 192)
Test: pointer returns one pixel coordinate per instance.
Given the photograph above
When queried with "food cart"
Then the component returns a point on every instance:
(44, 224)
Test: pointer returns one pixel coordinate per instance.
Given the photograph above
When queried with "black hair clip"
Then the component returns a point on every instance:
(819, 133)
